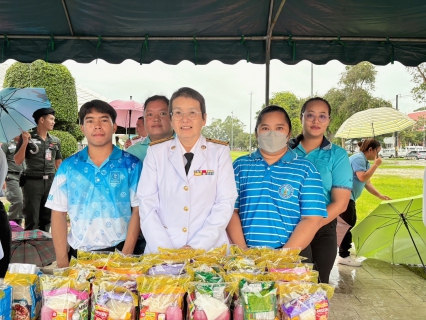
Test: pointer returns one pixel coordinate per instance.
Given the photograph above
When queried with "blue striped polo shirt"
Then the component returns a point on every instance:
(273, 198)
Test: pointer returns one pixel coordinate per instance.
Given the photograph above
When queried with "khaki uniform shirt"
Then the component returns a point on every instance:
(9, 150)
(43, 162)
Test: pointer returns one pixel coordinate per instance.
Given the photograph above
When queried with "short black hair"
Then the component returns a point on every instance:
(272, 108)
(315, 99)
(99, 106)
(155, 98)
(140, 118)
(187, 92)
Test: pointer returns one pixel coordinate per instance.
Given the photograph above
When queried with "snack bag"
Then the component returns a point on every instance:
(126, 267)
(5, 302)
(259, 300)
(210, 300)
(64, 298)
(121, 257)
(85, 274)
(161, 296)
(26, 298)
(97, 259)
(304, 300)
(205, 273)
(111, 302)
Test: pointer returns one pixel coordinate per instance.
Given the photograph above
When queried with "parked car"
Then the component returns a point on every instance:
(416, 154)
(387, 153)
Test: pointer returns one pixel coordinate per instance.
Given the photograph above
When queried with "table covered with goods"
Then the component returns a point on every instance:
(258, 284)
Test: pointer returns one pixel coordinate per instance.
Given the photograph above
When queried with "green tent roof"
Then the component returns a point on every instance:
(379, 31)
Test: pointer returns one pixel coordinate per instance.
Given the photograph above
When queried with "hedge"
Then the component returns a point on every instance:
(68, 143)
(55, 78)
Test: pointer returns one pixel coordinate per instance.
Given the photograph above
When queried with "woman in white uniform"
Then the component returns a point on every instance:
(187, 188)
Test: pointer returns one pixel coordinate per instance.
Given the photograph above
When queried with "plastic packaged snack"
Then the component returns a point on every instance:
(64, 298)
(304, 300)
(259, 300)
(162, 296)
(5, 302)
(26, 298)
(112, 302)
(210, 300)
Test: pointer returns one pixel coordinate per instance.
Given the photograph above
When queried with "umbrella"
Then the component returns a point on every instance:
(128, 112)
(374, 122)
(393, 232)
(16, 111)
(32, 246)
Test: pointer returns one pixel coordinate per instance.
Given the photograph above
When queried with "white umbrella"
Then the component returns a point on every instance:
(374, 122)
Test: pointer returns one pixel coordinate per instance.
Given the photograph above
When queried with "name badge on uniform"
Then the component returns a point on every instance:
(203, 172)
(48, 154)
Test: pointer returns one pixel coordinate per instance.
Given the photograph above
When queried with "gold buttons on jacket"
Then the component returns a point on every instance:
(185, 208)
(185, 188)
(184, 229)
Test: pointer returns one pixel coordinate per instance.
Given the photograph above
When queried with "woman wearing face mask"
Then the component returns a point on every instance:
(280, 200)
(333, 164)
(362, 172)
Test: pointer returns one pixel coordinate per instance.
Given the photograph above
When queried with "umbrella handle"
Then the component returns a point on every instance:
(35, 145)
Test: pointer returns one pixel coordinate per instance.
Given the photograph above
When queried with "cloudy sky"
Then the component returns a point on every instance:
(227, 88)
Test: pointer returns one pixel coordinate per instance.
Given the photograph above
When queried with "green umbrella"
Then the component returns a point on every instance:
(393, 232)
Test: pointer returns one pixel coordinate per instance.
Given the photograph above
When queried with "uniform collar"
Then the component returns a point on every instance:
(116, 154)
(295, 143)
(288, 157)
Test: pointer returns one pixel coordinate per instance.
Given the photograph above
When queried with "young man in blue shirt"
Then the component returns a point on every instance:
(96, 187)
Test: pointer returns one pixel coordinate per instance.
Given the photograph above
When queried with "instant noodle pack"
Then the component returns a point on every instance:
(256, 284)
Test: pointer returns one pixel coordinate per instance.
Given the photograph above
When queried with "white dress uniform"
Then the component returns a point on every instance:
(177, 210)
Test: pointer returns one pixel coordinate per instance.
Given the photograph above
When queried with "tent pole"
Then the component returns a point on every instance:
(251, 38)
(271, 25)
(409, 232)
(68, 17)
(268, 53)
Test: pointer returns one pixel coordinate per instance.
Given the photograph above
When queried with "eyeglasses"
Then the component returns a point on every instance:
(161, 114)
(178, 115)
(311, 117)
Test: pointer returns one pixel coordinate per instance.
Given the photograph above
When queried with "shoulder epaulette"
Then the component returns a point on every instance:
(161, 140)
(225, 143)
(136, 137)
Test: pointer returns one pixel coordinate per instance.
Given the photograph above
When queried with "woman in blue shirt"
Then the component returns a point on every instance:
(333, 164)
(280, 200)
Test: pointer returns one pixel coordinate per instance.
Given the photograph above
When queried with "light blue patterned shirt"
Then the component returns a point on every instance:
(98, 200)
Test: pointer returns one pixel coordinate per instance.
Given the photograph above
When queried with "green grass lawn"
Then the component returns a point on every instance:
(392, 186)
(237, 154)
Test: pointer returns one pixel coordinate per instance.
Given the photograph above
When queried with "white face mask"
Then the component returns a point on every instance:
(272, 141)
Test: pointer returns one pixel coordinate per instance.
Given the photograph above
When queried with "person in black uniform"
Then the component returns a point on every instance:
(41, 166)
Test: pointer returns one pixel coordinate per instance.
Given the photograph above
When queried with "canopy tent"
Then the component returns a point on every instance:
(351, 31)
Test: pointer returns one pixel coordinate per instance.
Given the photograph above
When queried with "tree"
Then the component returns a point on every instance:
(60, 89)
(353, 94)
(419, 78)
(226, 130)
(290, 103)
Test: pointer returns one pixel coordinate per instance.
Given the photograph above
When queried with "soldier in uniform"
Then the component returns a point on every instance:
(140, 130)
(187, 190)
(40, 168)
(13, 190)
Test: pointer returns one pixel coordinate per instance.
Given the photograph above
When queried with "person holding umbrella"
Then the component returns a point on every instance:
(332, 163)
(41, 166)
(141, 133)
(362, 172)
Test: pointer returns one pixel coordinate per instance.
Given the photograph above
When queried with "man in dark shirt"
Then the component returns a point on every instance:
(41, 166)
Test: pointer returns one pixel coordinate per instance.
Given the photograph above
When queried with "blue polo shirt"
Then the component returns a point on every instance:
(272, 199)
(332, 162)
(139, 149)
(98, 200)
(359, 163)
